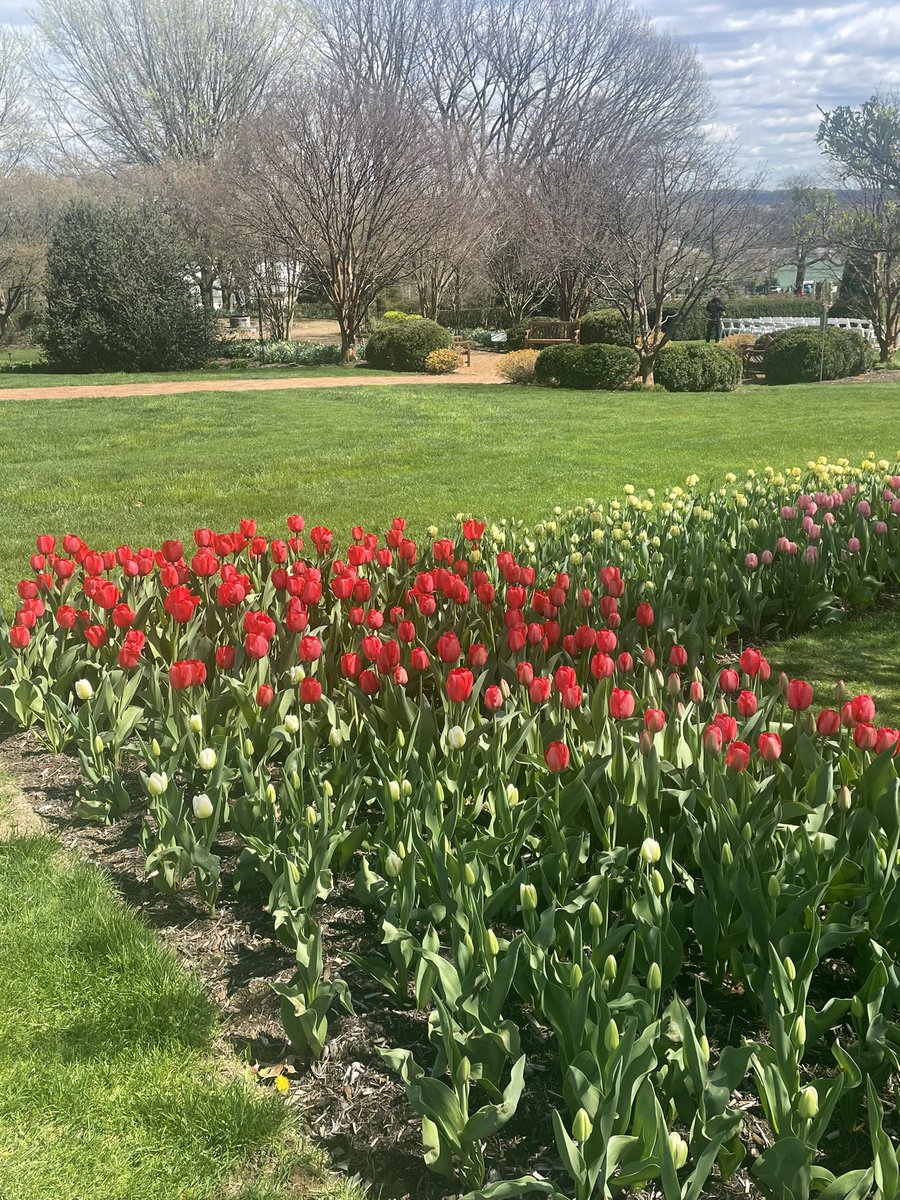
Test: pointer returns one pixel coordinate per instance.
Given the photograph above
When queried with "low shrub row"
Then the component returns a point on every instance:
(606, 367)
(803, 356)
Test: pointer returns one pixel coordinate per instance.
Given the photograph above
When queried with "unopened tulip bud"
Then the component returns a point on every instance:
(651, 851)
(294, 871)
(401, 849)
(392, 865)
(645, 742)
(493, 946)
(98, 744)
(808, 1104)
(654, 977)
(610, 967)
(83, 689)
(155, 748)
(335, 737)
(703, 1042)
(673, 684)
(439, 792)
(595, 914)
(463, 1071)
(841, 692)
(203, 806)
(528, 897)
(659, 679)
(469, 944)
(679, 1150)
(581, 1127)
(611, 1036)
(609, 818)
(512, 795)
(727, 854)
(882, 858)
(695, 692)
(747, 832)
(248, 748)
(844, 798)
(401, 738)
(405, 788)
(292, 723)
(195, 723)
(271, 794)
(657, 882)
(789, 969)
(773, 887)
(294, 780)
(394, 790)
(312, 815)
(469, 875)
(798, 1032)
(576, 976)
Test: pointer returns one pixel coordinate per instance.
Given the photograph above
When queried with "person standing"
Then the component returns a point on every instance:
(715, 311)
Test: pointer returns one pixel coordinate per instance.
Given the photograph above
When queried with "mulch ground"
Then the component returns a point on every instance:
(353, 1107)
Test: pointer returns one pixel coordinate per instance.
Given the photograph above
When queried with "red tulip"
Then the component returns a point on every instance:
(727, 724)
(295, 524)
(46, 543)
(310, 649)
(524, 674)
(419, 660)
(369, 682)
(172, 551)
(862, 708)
(678, 657)
(181, 675)
(737, 756)
(448, 648)
(123, 616)
(310, 690)
(645, 615)
(256, 646)
(571, 697)
(769, 745)
(459, 684)
(602, 666)
(473, 531)
(750, 661)
(225, 657)
(621, 703)
(885, 739)
(19, 637)
(799, 695)
(729, 680)
(747, 704)
(539, 689)
(493, 698)
(265, 694)
(351, 665)
(564, 677)
(556, 756)
(828, 722)
(712, 739)
(95, 635)
(865, 736)
(654, 720)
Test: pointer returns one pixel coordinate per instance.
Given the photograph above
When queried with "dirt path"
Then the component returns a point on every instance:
(482, 370)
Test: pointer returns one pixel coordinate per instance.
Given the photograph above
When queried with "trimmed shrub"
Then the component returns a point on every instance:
(606, 367)
(442, 362)
(518, 366)
(394, 314)
(796, 355)
(606, 326)
(697, 368)
(404, 345)
(515, 337)
(119, 296)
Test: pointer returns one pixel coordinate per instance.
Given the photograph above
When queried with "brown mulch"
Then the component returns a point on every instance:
(352, 1106)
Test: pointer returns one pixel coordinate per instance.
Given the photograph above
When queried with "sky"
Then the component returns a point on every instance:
(771, 65)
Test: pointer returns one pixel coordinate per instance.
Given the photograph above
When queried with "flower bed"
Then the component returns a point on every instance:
(558, 800)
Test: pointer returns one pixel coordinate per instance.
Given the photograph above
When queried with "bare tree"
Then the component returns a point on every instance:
(810, 213)
(147, 80)
(344, 177)
(16, 128)
(673, 230)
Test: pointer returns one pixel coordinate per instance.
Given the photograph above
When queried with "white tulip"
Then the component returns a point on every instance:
(83, 689)
(207, 759)
(651, 851)
(292, 723)
(456, 737)
(195, 723)
(157, 783)
(203, 806)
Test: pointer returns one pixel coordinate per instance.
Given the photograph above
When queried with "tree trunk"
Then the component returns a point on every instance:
(648, 364)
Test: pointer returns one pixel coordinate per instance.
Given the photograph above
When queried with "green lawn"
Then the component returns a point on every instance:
(865, 653)
(140, 469)
(42, 379)
(109, 1089)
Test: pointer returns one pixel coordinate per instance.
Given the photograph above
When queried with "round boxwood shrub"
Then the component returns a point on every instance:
(607, 326)
(686, 367)
(796, 355)
(598, 366)
(404, 345)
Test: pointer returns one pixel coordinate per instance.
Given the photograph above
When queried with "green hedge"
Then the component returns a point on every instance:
(606, 326)
(404, 345)
(597, 366)
(692, 368)
(796, 355)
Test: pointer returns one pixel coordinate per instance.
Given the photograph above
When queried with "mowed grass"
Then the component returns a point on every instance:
(139, 469)
(864, 653)
(109, 1089)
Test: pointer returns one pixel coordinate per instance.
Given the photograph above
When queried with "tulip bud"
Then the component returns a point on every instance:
(83, 689)
(609, 818)
(195, 723)
(576, 976)
(206, 760)
(650, 851)
(463, 1071)
(469, 944)
(157, 783)
(294, 780)
(392, 865)
(271, 794)
(401, 849)
(248, 748)
(844, 798)
(703, 1042)
(312, 815)
(658, 883)
(654, 977)
(773, 887)
(335, 737)
(202, 806)
(789, 969)
(292, 723)
(645, 742)
(798, 1032)
(512, 795)
(155, 748)
(493, 946)
(401, 738)
(673, 684)
(528, 897)
(294, 871)
(727, 854)
(808, 1104)
(679, 1150)
(610, 967)
(439, 792)
(747, 832)
(595, 914)
(581, 1127)
(456, 737)
(882, 858)
(611, 1036)
(841, 693)
(405, 788)
(98, 744)
(469, 875)
(394, 790)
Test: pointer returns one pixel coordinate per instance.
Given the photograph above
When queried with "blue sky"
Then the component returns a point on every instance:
(770, 65)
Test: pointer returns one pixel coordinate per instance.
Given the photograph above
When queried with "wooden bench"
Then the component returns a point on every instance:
(463, 348)
(752, 358)
(552, 333)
